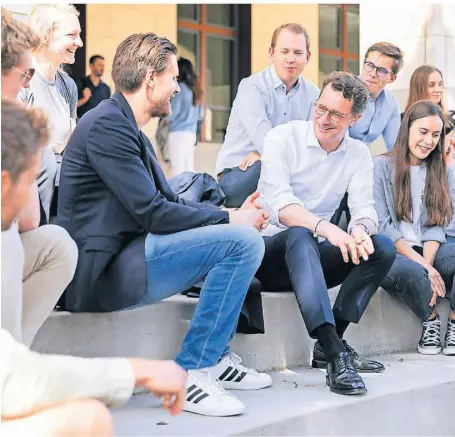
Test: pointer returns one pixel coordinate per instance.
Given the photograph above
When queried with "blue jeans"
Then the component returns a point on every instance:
(226, 258)
(409, 280)
(450, 239)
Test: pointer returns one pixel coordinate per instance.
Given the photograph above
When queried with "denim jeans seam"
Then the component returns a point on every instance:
(188, 248)
(217, 318)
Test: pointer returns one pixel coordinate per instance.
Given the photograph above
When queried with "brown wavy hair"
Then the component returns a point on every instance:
(17, 37)
(418, 86)
(437, 195)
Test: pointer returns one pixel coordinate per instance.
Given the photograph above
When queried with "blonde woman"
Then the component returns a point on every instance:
(51, 88)
(427, 83)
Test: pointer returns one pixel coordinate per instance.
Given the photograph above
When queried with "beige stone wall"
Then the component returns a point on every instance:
(265, 18)
(109, 24)
(426, 34)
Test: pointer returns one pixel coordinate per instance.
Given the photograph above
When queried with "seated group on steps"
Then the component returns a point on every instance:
(122, 232)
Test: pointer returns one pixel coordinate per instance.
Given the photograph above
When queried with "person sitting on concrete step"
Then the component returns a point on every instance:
(139, 243)
(274, 96)
(37, 262)
(412, 191)
(382, 63)
(44, 395)
(304, 251)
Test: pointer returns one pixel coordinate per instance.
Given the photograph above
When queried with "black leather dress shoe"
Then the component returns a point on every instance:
(362, 365)
(342, 378)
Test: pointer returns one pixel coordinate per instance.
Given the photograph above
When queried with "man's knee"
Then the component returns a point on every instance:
(59, 245)
(238, 185)
(100, 423)
(250, 241)
(384, 248)
(302, 237)
(88, 417)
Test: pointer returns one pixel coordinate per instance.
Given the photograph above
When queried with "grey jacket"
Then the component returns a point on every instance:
(384, 178)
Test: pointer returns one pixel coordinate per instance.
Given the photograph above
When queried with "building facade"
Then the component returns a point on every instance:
(227, 42)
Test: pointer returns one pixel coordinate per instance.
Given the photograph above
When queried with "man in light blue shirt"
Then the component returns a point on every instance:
(276, 95)
(382, 63)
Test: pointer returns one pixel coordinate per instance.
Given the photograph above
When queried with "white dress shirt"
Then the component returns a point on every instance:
(296, 170)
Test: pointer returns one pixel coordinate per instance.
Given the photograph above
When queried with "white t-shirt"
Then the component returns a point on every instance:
(59, 101)
(412, 232)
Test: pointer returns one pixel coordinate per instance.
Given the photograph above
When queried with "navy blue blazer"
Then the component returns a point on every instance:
(112, 193)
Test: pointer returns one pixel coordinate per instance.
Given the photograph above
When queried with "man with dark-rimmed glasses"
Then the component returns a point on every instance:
(307, 167)
(382, 63)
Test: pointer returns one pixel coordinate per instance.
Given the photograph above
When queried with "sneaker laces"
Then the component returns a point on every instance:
(432, 331)
(450, 335)
(236, 360)
(209, 383)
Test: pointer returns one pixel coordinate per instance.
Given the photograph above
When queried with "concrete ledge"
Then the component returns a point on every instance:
(157, 331)
(413, 397)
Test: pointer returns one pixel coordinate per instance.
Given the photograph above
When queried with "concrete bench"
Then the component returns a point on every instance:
(157, 331)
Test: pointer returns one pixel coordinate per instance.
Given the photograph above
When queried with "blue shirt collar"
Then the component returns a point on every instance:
(277, 82)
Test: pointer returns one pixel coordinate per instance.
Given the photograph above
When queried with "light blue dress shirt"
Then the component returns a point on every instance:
(381, 117)
(261, 104)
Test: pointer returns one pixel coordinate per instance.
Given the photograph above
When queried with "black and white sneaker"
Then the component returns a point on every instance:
(206, 396)
(449, 348)
(234, 376)
(430, 341)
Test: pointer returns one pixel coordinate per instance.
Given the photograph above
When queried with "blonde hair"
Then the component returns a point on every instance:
(42, 19)
(293, 27)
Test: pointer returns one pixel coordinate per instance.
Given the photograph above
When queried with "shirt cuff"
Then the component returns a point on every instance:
(281, 204)
(370, 225)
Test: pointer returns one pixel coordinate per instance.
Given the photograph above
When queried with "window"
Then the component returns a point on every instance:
(207, 36)
(338, 39)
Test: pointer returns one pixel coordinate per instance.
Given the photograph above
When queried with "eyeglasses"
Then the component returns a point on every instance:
(26, 76)
(335, 116)
(380, 71)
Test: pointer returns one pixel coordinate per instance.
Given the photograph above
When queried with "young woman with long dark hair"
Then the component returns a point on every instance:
(412, 192)
(187, 112)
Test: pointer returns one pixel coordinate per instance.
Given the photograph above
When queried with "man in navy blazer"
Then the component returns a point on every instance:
(139, 243)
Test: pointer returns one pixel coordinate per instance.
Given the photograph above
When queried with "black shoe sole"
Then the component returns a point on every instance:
(316, 364)
(354, 391)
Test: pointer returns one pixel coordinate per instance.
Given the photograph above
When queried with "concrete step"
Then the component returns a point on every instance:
(157, 331)
(413, 397)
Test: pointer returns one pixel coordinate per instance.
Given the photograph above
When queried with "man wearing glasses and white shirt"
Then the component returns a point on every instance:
(382, 63)
(307, 167)
(276, 95)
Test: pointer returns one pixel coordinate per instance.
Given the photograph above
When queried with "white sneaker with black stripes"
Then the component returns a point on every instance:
(234, 376)
(206, 396)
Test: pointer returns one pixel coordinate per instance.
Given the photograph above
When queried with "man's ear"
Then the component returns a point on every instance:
(393, 78)
(308, 57)
(271, 52)
(150, 77)
(354, 121)
(7, 183)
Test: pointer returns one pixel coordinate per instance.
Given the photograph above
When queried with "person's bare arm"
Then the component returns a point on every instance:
(296, 215)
